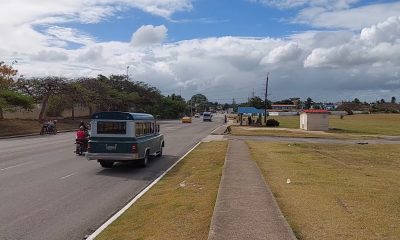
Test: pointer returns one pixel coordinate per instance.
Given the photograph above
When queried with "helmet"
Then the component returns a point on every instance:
(81, 128)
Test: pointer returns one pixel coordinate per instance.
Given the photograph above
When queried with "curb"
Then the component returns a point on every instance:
(137, 197)
(34, 134)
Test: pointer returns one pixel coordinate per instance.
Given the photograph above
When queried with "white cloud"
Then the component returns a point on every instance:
(68, 35)
(49, 56)
(328, 4)
(352, 18)
(375, 45)
(288, 52)
(335, 64)
(388, 31)
(149, 34)
(336, 14)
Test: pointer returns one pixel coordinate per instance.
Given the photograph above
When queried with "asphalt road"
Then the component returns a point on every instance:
(47, 192)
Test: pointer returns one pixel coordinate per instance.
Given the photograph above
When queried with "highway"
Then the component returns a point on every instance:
(47, 192)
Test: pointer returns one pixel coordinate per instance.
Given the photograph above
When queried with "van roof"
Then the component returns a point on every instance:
(122, 116)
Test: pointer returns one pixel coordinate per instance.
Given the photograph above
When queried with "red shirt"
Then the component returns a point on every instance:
(80, 134)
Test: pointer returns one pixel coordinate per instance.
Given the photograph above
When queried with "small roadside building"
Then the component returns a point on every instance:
(314, 120)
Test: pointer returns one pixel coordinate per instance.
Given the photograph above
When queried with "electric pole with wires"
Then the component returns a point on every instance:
(266, 100)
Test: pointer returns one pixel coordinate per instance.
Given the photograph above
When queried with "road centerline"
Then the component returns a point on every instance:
(67, 176)
(14, 166)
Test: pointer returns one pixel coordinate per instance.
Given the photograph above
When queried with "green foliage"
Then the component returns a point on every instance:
(285, 101)
(172, 107)
(308, 103)
(256, 102)
(272, 123)
(56, 106)
(10, 99)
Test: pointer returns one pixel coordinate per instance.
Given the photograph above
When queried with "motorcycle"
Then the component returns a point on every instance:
(48, 129)
(81, 146)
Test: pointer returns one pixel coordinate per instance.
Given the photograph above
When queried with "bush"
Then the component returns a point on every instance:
(272, 123)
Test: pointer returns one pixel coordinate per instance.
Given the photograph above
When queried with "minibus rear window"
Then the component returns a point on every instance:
(111, 127)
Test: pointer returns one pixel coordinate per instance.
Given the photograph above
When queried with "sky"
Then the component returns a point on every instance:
(327, 50)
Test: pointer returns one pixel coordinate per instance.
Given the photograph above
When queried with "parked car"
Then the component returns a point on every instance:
(197, 115)
(186, 119)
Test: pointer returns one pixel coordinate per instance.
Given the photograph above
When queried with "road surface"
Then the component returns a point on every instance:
(47, 192)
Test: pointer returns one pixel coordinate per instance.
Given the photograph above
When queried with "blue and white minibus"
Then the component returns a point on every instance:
(124, 136)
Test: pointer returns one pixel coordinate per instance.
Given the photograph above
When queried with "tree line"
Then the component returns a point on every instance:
(101, 93)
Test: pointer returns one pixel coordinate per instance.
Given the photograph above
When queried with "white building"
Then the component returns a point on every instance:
(314, 120)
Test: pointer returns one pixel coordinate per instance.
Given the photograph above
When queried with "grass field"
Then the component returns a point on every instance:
(336, 191)
(364, 124)
(279, 132)
(181, 205)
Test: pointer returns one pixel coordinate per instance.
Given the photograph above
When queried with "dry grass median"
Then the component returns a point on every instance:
(181, 205)
(335, 191)
(375, 124)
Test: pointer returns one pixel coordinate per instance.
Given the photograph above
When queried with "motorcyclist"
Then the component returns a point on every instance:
(82, 124)
(82, 137)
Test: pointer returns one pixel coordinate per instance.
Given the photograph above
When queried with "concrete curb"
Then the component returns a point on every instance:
(137, 197)
(34, 134)
(220, 130)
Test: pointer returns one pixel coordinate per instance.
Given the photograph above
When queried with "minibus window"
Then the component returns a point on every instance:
(111, 127)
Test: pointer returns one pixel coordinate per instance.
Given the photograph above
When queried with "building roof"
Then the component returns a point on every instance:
(122, 116)
(283, 105)
(316, 111)
(250, 110)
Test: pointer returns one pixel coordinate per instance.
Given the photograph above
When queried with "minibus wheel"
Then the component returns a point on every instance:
(145, 160)
(106, 164)
(160, 153)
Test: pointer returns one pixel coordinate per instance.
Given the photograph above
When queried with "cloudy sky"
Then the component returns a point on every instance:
(324, 49)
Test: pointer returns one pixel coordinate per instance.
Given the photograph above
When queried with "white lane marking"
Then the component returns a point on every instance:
(69, 175)
(127, 206)
(14, 166)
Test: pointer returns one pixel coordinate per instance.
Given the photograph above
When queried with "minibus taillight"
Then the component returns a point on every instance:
(134, 148)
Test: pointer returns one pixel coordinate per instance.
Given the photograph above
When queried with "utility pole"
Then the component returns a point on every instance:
(127, 73)
(266, 100)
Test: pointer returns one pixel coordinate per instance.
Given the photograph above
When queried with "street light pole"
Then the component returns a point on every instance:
(127, 73)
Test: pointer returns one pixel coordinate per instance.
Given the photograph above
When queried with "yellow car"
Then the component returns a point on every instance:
(186, 120)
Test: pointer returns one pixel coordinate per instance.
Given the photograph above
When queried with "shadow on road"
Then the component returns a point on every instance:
(133, 171)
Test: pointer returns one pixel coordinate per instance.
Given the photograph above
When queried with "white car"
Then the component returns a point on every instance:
(207, 116)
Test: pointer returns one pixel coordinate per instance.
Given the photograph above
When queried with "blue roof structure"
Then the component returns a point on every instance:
(250, 110)
(122, 116)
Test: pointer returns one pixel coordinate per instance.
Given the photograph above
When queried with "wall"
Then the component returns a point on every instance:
(283, 113)
(317, 122)
(34, 114)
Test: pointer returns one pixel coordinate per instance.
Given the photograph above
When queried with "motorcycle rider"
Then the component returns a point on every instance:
(82, 137)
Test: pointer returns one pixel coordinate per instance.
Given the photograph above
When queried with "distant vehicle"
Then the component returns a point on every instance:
(197, 115)
(186, 120)
(124, 136)
(207, 116)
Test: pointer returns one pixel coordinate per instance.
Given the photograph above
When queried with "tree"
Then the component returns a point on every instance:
(9, 98)
(308, 103)
(393, 100)
(199, 102)
(285, 101)
(356, 100)
(42, 89)
(256, 102)
(382, 101)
